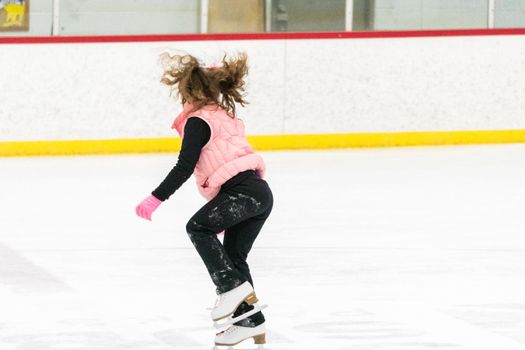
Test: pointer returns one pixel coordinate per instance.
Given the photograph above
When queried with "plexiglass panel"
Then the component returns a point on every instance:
(510, 14)
(122, 17)
(430, 14)
(234, 16)
(308, 15)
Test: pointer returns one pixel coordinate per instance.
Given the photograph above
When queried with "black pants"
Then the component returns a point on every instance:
(240, 209)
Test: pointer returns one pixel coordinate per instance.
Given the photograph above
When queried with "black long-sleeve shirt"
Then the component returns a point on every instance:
(197, 133)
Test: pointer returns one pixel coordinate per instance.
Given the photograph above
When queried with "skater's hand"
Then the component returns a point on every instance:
(147, 207)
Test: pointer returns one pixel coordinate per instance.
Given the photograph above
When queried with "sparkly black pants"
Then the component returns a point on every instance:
(240, 209)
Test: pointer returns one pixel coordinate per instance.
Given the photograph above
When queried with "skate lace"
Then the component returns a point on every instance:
(217, 301)
(228, 331)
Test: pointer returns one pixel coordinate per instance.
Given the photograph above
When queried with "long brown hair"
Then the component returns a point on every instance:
(193, 82)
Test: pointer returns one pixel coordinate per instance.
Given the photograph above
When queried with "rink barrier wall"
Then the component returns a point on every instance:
(437, 88)
(266, 142)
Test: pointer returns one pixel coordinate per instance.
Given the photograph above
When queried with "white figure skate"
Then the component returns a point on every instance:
(228, 302)
(236, 334)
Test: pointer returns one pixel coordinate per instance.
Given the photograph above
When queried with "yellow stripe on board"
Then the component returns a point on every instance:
(266, 142)
(394, 139)
(88, 147)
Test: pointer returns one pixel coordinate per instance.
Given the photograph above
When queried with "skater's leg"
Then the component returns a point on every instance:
(239, 238)
(202, 230)
(238, 241)
(227, 209)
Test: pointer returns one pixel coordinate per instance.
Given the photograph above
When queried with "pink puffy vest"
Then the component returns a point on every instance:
(226, 154)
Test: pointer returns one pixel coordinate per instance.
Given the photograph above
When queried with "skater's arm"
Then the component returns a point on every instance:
(197, 133)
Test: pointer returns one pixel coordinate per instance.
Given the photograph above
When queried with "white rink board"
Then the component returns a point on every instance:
(111, 90)
(424, 250)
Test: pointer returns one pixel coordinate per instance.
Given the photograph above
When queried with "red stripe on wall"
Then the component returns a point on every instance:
(259, 36)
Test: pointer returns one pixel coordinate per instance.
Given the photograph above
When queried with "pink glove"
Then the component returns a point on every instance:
(147, 207)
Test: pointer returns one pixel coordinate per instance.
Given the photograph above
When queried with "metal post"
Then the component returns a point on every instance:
(349, 15)
(56, 18)
(492, 14)
(268, 16)
(204, 16)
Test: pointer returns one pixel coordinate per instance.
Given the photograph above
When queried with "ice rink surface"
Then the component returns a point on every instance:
(409, 248)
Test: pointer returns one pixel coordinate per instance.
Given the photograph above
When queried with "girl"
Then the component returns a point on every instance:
(229, 175)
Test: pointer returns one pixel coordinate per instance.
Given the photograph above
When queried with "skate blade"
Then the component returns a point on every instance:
(231, 321)
(230, 347)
